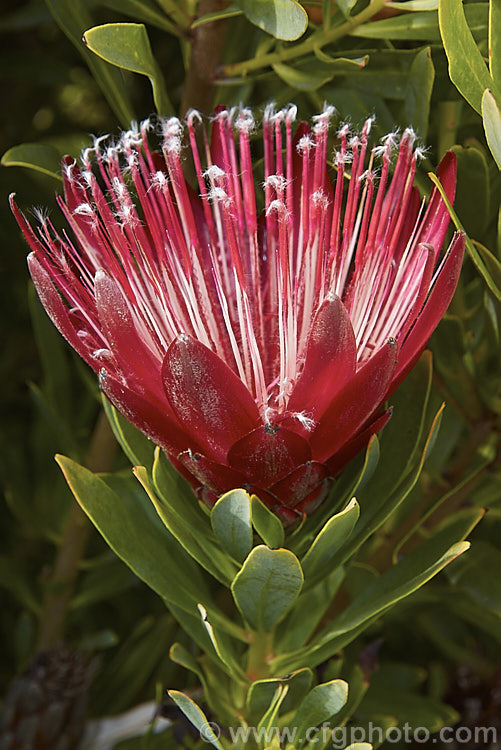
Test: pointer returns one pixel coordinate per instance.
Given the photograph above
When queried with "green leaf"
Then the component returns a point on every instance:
(203, 547)
(74, 19)
(321, 703)
(492, 124)
(353, 478)
(495, 41)
(346, 6)
(218, 15)
(413, 5)
(309, 76)
(231, 521)
(488, 272)
(261, 692)
(267, 586)
(307, 613)
(269, 718)
(419, 26)
(197, 717)
(143, 10)
(478, 574)
(422, 25)
(336, 532)
(418, 567)
(300, 79)
(127, 46)
(180, 655)
(283, 19)
(35, 156)
(137, 447)
(472, 190)
(419, 90)
(467, 68)
(267, 524)
(134, 533)
(223, 646)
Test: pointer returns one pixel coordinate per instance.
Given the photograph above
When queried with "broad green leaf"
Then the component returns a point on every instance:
(486, 263)
(321, 703)
(416, 568)
(136, 536)
(283, 19)
(467, 68)
(495, 42)
(419, 90)
(35, 156)
(267, 524)
(74, 19)
(231, 521)
(336, 532)
(204, 549)
(267, 586)
(127, 46)
(136, 446)
(197, 717)
(261, 692)
(492, 124)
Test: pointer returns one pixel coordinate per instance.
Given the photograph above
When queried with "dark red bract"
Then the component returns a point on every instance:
(256, 348)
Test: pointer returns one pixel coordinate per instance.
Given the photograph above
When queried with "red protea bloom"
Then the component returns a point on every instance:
(255, 347)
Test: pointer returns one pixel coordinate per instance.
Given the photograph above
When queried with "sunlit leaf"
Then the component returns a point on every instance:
(283, 19)
(127, 46)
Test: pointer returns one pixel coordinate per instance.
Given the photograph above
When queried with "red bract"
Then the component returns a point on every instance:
(255, 347)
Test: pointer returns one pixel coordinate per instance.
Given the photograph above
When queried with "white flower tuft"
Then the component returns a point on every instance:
(307, 422)
(277, 206)
(276, 181)
(305, 143)
(214, 173)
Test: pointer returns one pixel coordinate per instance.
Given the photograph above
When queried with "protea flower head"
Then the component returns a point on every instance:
(256, 346)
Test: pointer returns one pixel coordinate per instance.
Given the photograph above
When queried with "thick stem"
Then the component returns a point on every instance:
(316, 40)
(206, 51)
(259, 655)
(74, 540)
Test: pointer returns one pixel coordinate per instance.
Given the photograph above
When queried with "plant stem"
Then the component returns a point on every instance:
(318, 39)
(259, 654)
(74, 540)
(206, 49)
(449, 113)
